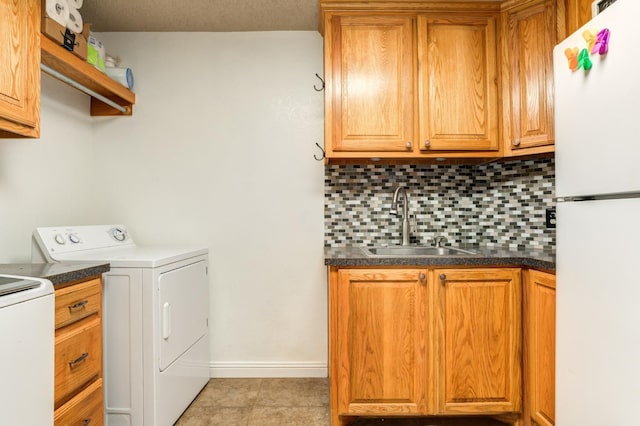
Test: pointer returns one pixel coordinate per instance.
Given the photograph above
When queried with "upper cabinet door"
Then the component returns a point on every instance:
(458, 105)
(530, 36)
(20, 68)
(578, 13)
(370, 80)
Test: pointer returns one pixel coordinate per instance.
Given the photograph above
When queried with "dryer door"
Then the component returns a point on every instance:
(184, 308)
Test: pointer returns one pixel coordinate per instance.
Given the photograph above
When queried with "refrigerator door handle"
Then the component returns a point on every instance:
(594, 197)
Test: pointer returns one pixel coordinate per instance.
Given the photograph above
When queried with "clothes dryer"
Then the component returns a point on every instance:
(155, 319)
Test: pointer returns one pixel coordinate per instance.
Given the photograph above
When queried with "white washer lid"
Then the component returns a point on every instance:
(30, 288)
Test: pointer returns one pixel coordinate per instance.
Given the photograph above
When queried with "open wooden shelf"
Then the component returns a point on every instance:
(70, 65)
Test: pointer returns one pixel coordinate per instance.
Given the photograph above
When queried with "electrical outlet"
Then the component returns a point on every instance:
(551, 217)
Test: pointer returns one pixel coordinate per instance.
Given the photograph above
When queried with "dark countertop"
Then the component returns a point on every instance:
(57, 273)
(487, 256)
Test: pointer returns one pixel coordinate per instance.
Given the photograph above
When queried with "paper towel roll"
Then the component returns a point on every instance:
(58, 10)
(123, 76)
(74, 23)
(76, 4)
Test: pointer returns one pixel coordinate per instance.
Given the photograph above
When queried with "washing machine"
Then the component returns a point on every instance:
(27, 354)
(155, 319)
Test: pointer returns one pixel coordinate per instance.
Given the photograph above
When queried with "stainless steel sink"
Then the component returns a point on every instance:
(414, 251)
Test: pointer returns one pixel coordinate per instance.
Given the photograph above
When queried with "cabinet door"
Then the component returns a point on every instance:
(19, 68)
(541, 346)
(381, 337)
(478, 340)
(370, 80)
(457, 84)
(530, 37)
(578, 13)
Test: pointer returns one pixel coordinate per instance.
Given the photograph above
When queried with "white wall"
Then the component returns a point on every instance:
(219, 152)
(46, 181)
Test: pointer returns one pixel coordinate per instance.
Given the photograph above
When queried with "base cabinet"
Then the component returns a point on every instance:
(479, 332)
(86, 408)
(424, 342)
(382, 341)
(78, 381)
(540, 343)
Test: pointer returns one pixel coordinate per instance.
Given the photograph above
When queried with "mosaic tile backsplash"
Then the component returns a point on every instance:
(491, 204)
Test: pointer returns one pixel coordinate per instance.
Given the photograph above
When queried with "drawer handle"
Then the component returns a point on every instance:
(443, 278)
(77, 306)
(86, 422)
(78, 360)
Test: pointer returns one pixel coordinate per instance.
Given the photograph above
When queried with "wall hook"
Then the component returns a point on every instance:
(323, 153)
(321, 88)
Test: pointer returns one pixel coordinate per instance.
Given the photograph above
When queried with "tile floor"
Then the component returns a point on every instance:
(283, 402)
(260, 402)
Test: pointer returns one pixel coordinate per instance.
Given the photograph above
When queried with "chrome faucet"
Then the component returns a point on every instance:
(406, 227)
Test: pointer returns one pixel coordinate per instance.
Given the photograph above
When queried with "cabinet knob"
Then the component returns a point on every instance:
(443, 277)
(427, 143)
(516, 142)
(409, 145)
(423, 277)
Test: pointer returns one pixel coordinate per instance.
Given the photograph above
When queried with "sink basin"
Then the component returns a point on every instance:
(413, 251)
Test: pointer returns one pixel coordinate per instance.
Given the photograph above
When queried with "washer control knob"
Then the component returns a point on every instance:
(59, 238)
(74, 238)
(119, 234)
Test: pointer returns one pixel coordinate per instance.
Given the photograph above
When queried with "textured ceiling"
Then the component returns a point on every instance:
(201, 15)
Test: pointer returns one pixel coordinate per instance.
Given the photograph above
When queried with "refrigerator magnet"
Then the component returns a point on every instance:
(572, 56)
(601, 46)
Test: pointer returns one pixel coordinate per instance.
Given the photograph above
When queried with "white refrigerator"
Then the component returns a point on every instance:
(598, 222)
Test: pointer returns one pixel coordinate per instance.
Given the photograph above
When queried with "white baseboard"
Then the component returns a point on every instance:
(267, 369)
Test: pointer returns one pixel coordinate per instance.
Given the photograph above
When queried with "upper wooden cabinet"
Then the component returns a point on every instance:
(576, 14)
(20, 68)
(370, 64)
(442, 80)
(458, 108)
(22, 49)
(410, 80)
(529, 35)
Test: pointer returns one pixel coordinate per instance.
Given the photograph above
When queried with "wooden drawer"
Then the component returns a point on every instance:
(78, 358)
(86, 408)
(78, 301)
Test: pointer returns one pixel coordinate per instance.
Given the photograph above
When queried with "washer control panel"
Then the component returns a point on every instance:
(68, 239)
